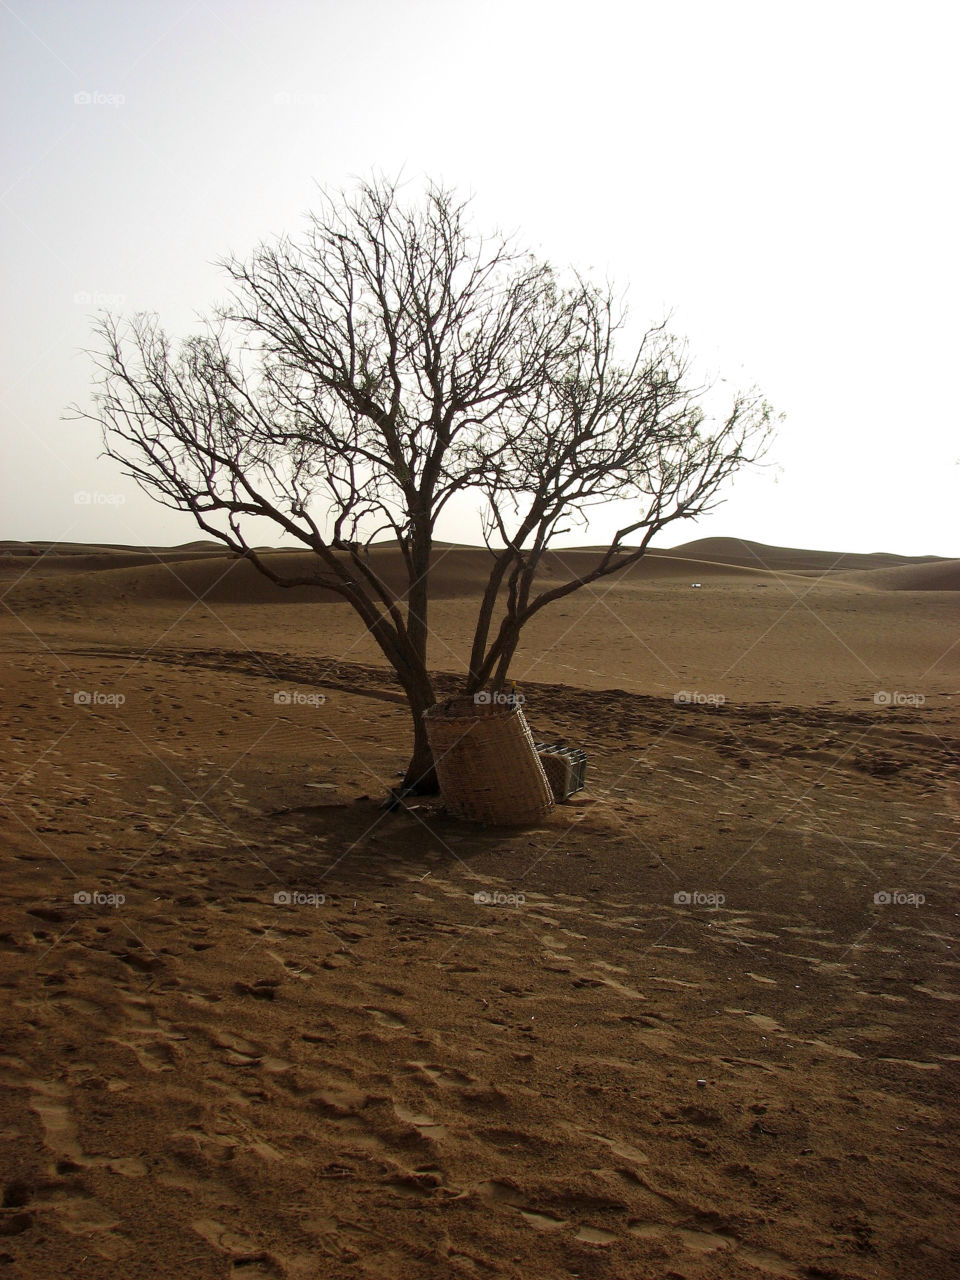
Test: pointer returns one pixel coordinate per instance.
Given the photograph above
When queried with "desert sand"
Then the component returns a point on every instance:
(701, 1022)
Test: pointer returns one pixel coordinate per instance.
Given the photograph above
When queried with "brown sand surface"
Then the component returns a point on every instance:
(382, 1076)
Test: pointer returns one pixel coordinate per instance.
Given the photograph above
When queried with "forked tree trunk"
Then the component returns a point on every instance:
(421, 775)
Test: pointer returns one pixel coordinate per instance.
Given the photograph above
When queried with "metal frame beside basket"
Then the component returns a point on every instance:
(486, 764)
(565, 768)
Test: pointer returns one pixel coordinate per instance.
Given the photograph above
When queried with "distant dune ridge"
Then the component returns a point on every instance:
(205, 569)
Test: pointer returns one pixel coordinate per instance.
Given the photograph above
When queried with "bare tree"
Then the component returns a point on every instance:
(360, 378)
(600, 432)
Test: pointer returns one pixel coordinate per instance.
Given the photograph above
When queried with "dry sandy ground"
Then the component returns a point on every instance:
(382, 1076)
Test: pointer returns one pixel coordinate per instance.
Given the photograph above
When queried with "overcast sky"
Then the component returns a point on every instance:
(781, 177)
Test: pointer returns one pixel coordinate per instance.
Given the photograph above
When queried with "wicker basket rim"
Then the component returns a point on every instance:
(465, 708)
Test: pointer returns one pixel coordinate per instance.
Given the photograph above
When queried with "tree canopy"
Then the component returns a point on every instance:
(392, 357)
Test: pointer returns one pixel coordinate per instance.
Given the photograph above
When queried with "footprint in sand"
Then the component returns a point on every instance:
(759, 1020)
(416, 1183)
(622, 989)
(595, 1235)
(387, 990)
(542, 1221)
(619, 1148)
(386, 1019)
(340, 1102)
(652, 1031)
(498, 1193)
(374, 1122)
(494, 1191)
(240, 1248)
(704, 1241)
(425, 1125)
(447, 1077)
(237, 1048)
(79, 1213)
(718, 1240)
(60, 1130)
(834, 1050)
(156, 1055)
(82, 1215)
(260, 989)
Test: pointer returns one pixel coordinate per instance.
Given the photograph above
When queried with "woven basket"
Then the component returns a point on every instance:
(486, 765)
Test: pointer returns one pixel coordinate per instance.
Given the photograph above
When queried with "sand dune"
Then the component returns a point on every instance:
(220, 578)
(937, 575)
(760, 555)
(790, 636)
(103, 574)
(255, 1025)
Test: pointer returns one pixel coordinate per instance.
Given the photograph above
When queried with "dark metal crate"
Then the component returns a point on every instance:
(565, 768)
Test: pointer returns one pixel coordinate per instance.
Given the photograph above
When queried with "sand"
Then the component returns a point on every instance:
(688, 1040)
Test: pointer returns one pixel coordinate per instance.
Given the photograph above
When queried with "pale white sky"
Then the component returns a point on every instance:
(781, 177)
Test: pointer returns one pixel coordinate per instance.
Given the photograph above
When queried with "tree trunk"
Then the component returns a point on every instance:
(421, 776)
(510, 640)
